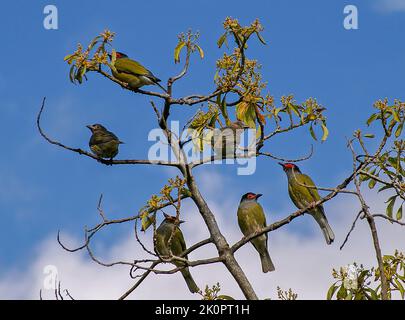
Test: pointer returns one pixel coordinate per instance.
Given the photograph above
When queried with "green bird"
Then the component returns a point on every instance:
(103, 143)
(132, 72)
(302, 197)
(169, 228)
(251, 218)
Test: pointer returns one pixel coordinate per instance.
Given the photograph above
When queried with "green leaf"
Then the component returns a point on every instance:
(224, 297)
(373, 294)
(395, 115)
(325, 132)
(391, 206)
(393, 162)
(385, 187)
(400, 287)
(147, 221)
(113, 57)
(68, 57)
(221, 40)
(216, 75)
(80, 73)
(311, 130)
(294, 108)
(177, 50)
(342, 293)
(398, 131)
(372, 183)
(399, 213)
(369, 135)
(371, 119)
(259, 36)
(200, 51)
(331, 291)
(72, 74)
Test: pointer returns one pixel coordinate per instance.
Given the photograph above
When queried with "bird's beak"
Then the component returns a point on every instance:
(181, 221)
(258, 195)
(281, 164)
(90, 127)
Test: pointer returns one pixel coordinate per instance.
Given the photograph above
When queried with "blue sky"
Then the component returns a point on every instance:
(309, 54)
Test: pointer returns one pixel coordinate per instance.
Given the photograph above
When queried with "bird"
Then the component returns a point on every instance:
(132, 72)
(225, 140)
(103, 143)
(251, 218)
(303, 192)
(169, 228)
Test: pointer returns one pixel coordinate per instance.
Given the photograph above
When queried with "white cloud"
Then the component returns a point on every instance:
(303, 262)
(390, 5)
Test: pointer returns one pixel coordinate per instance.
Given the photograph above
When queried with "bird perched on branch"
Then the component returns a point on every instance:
(132, 72)
(251, 218)
(303, 192)
(103, 143)
(226, 140)
(170, 241)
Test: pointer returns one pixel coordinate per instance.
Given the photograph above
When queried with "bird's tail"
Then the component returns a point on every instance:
(267, 264)
(192, 286)
(325, 227)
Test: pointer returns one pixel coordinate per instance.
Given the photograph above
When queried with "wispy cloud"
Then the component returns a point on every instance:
(303, 262)
(390, 5)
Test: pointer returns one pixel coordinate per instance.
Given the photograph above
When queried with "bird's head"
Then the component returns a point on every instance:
(239, 124)
(289, 167)
(172, 219)
(118, 55)
(96, 127)
(250, 196)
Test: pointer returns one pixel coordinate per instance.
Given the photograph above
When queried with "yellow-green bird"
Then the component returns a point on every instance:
(226, 140)
(170, 228)
(251, 218)
(133, 73)
(103, 143)
(302, 197)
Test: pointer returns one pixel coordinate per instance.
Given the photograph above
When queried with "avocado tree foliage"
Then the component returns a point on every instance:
(239, 93)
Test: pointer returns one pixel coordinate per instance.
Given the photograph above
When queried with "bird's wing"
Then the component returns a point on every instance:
(251, 218)
(99, 138)
(313, 191)
(133, 67)
(113, 136)
(178, 242)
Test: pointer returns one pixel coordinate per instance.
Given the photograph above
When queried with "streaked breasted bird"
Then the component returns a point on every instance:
(302, 192)
(251, 218)
(169, 228)
(132, 72)
(226, 140)
(103, 143)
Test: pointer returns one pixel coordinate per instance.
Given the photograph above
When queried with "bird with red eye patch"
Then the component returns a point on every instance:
(251, 218)
(132, 72)
(303, 193)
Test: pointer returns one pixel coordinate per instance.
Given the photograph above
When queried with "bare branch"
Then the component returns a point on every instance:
(90, 155)
(377, 215)
(351, 229)
(267, 154)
